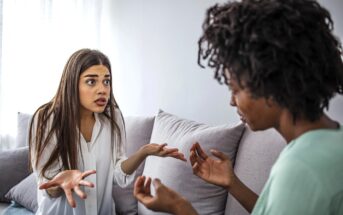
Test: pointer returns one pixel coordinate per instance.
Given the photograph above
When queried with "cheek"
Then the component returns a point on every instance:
(84, 94)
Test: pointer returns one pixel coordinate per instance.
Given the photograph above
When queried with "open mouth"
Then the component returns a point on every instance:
(101, 101)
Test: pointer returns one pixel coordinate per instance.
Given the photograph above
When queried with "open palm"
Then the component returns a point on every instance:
(162, 151)
(69, 181)
(216, 171)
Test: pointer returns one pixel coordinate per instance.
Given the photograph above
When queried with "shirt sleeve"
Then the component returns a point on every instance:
(120, 177)
(37, 165)
(295, 189)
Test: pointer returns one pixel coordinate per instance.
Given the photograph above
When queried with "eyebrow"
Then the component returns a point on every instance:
(95, 76)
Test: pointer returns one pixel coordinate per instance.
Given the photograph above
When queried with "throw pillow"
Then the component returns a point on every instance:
(138, 133)
(25, 193)
(23, 124)
(181, 133)
(14, 167)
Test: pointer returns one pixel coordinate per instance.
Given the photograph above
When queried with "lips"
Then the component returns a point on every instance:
(101, 101)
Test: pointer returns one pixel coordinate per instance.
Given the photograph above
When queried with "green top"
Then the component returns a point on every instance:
(307, 177)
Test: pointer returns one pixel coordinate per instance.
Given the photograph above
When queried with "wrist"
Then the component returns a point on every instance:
(233, 182)
(182, 207)
(144, 152)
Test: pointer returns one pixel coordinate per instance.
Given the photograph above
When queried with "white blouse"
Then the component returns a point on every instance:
(97, 154)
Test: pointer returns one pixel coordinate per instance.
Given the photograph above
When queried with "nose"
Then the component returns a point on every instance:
(101, 89)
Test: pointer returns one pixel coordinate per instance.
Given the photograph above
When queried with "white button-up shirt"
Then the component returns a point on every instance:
(98, 155)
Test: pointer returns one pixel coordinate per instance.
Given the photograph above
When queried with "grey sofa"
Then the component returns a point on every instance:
(253, 154)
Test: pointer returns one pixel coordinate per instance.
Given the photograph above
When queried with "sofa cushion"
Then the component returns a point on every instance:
(14, 167)
(178, 175)
(25, 193)
(138, 133)
(256, 155)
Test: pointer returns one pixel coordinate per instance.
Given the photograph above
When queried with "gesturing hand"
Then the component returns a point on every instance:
(162, 151)
(218, 172)
(68, 181)
(165, 200)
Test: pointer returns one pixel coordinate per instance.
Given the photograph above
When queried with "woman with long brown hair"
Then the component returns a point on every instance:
(80, 133)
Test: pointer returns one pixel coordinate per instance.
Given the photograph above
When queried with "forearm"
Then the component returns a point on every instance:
(132, 163)
(184, 207)
(244, 195)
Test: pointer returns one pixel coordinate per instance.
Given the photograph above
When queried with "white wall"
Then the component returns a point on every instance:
(155, 50)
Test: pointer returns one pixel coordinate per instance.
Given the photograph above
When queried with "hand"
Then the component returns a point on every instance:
(165, 200)
(68, 181)
(161, 151)
(218, 172)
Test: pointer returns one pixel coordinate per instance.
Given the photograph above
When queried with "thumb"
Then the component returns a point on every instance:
(219, 154)
(157, 183)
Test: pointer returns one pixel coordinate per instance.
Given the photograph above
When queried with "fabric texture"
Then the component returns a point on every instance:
(307, 177)
(178, 175)
(23, 125)
(138, 133)
(25, 193)
(14, 167)
(256, 155)
(16, 209)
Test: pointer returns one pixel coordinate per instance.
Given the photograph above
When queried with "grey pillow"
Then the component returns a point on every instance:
(14, 167)
(138, 133)
(178, 175)
(23, 124)
(25, 193)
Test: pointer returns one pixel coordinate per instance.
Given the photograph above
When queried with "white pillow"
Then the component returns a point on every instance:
(23, 124)
(178, 175)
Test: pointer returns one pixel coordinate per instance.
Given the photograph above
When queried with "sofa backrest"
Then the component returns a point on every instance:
(256, 154)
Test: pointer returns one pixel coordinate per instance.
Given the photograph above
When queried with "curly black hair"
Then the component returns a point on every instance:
(279, 49)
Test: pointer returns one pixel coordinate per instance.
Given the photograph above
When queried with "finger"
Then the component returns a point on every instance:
(86, 183)
(139, 185)
(48, 184)
(147, 186)
(157, 183)
(87, 173)
(219, 154)
(193, 147)
(195, 168)
(178, 155)
(166, 152)
(79, 192)
(70, 198)
(160, 148)
(200, 152)
(192, 157)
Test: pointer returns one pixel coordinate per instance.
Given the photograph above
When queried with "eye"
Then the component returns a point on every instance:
(107, 82)
(90, 82)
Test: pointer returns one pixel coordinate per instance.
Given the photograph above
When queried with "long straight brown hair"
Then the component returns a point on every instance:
(61, 116)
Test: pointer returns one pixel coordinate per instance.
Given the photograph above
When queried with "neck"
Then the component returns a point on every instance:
(291, 130)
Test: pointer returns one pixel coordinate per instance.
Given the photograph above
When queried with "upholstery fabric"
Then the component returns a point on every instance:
(178, 175)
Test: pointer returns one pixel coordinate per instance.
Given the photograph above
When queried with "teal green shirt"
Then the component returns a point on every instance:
(307, 178)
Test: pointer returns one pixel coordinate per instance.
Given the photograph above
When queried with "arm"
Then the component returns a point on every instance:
(132, 163)
(220, 172)
(165, 200)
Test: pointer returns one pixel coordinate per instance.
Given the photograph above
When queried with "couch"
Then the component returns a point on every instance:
(252, 153)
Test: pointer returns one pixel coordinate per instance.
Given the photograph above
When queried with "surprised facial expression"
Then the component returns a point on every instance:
(94, 89)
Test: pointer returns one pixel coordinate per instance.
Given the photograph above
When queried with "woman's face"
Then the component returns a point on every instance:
(258, 113)
(94, 89)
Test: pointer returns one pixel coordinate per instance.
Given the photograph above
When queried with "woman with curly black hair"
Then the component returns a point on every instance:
(282, 65)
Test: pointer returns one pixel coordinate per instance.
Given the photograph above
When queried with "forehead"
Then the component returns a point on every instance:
(99, 70)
